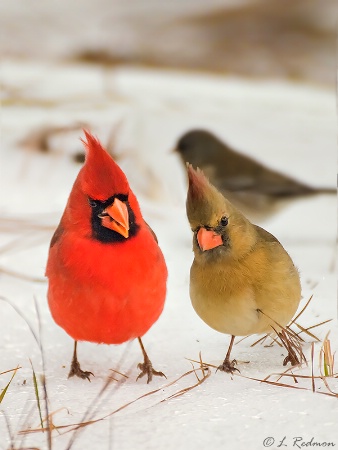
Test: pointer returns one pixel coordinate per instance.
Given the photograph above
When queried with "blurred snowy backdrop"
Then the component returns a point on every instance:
(261, 75)
(293, 39)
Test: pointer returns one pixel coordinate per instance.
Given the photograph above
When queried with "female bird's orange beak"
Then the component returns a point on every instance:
(116, 217)
(208, 239)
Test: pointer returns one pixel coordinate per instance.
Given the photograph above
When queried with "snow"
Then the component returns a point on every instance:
(291, 127)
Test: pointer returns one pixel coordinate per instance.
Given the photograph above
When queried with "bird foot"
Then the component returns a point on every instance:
(228, 366)
(291, 358)
(75, 369)
(293, 346)
(147, 369)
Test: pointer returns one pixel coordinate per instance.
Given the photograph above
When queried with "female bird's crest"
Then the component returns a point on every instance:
(198, 183)
(204, 202)
(101, 177)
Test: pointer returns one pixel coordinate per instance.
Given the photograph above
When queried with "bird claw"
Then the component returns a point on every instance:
(228, 366)
(147, 369)
(76, 370)
(291, 358)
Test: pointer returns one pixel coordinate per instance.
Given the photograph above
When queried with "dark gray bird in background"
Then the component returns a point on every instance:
(252, 187)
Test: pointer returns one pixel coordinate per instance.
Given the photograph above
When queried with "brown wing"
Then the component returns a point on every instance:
(266, 235)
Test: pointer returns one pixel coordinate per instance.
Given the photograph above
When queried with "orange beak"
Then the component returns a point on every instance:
(208, 239)
(116, 218)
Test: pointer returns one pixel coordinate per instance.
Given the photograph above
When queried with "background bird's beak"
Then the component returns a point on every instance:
(116, 217)
(208, 239)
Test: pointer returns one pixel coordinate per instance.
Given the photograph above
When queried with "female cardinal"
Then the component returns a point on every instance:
(107, 275)
(242, 281)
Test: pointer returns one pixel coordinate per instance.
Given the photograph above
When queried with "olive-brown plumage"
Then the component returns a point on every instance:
(257, 190)
(242, 281)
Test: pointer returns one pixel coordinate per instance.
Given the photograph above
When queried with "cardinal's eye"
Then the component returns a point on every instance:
(224, 221)
(92, 203)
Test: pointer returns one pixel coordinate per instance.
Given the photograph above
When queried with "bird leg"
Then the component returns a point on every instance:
(146, 367)
(227, 365)
(75, 368)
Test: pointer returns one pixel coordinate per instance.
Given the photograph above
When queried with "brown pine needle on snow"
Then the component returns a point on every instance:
(306, 330)
(49, 419)
(75, 427)
(289, 369)
(331, 393)
(120, 373)
(275, 340)
(262, 340)
(9, 431)
(326, 358)
(326, 364)
(11, 370)
(204, 363)
(291, 342)
(293, 346)
(312, 363)
(3, 393)
(301, 311)
(292, 375)
(274, 383)
(37, 396)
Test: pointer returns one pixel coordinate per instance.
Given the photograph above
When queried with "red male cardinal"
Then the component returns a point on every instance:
(107, 275)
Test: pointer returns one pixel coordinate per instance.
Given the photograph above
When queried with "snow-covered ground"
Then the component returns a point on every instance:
(288, 126)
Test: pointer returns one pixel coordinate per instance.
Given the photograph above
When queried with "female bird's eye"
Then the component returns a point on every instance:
(224, 221)
(183, 146)
(92, 203)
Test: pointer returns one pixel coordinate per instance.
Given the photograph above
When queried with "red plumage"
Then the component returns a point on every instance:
(103, 287)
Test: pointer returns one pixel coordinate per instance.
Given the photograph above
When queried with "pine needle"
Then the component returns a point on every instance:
(17, 310)
(293, 375)
(334, 394)
(3, 393)
(312, 364)
(288, 327)
(37, 396)
(204, 363)
(291, 342)
(293, 346)
(120, 373)
(260, 340)
(11, 370)
(330, 393)
(326, 358)
(75, 427)
(285, 373)
(206, 374)
(89, 414)
(38, 341)
(274, 383)
(301, 312)
(49, 419)
(9, 430)
(306, 330)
